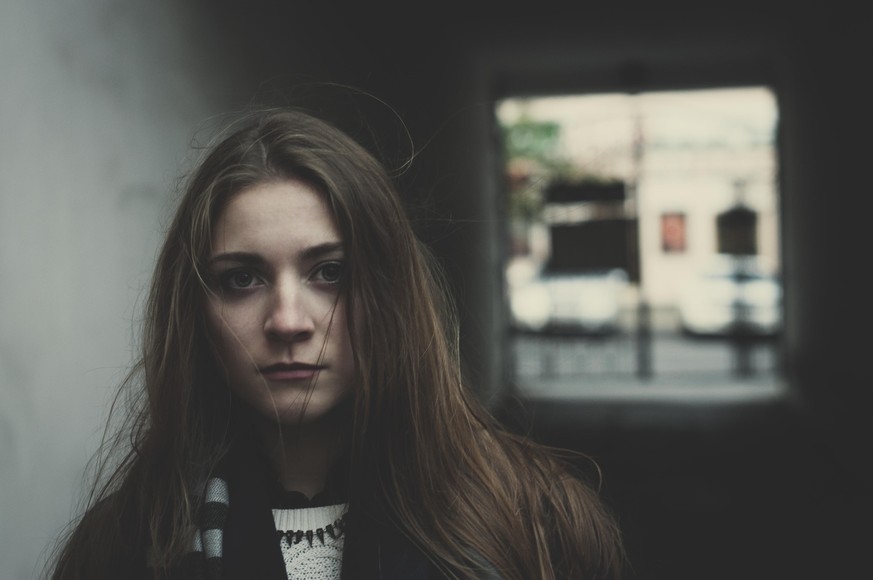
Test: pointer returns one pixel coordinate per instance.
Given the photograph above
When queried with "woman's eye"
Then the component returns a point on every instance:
(238, 280)
(330, 272)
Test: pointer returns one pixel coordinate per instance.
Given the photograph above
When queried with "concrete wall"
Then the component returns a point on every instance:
(98, 102)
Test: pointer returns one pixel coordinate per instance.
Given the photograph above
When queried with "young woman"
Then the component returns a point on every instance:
(303, 414)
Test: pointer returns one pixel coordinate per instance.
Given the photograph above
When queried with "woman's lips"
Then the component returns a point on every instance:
(290, 372)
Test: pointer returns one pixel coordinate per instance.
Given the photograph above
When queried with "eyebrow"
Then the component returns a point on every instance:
(310, 253)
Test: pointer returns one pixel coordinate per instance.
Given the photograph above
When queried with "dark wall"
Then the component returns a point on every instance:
(775, 489)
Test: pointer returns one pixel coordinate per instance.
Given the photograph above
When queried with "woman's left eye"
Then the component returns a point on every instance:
(330, 272)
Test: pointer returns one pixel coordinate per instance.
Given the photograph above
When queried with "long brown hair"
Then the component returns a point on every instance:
(423, 450)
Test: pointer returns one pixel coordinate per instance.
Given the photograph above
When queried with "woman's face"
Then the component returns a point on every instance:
(277, 314)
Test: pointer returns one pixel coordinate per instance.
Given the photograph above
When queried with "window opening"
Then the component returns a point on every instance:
(642, 237)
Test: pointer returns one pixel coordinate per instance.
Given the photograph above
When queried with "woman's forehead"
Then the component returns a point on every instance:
(285, 213)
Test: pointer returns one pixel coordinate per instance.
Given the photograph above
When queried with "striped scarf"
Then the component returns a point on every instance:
(205, 558)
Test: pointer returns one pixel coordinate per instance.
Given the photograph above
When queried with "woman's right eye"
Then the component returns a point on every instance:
(238, 280)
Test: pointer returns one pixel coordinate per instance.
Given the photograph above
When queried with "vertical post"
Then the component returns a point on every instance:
(740, 333)
(737, 228)
(644, 315)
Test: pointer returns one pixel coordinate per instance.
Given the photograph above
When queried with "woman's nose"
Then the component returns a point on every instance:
(289, 318)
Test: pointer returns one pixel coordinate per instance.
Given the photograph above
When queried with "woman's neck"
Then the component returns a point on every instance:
(302, 455)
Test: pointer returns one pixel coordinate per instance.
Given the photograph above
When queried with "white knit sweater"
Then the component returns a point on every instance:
(312, 541)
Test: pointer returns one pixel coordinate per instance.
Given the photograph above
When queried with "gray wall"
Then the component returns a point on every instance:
(98, 102)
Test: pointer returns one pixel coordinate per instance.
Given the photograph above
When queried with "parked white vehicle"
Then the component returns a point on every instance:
(584, 302)
(731, 293)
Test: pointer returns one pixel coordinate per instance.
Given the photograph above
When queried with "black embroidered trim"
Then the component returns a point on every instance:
(334, 531)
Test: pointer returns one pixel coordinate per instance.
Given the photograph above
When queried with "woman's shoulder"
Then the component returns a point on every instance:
(106, 542)
(558, 497)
